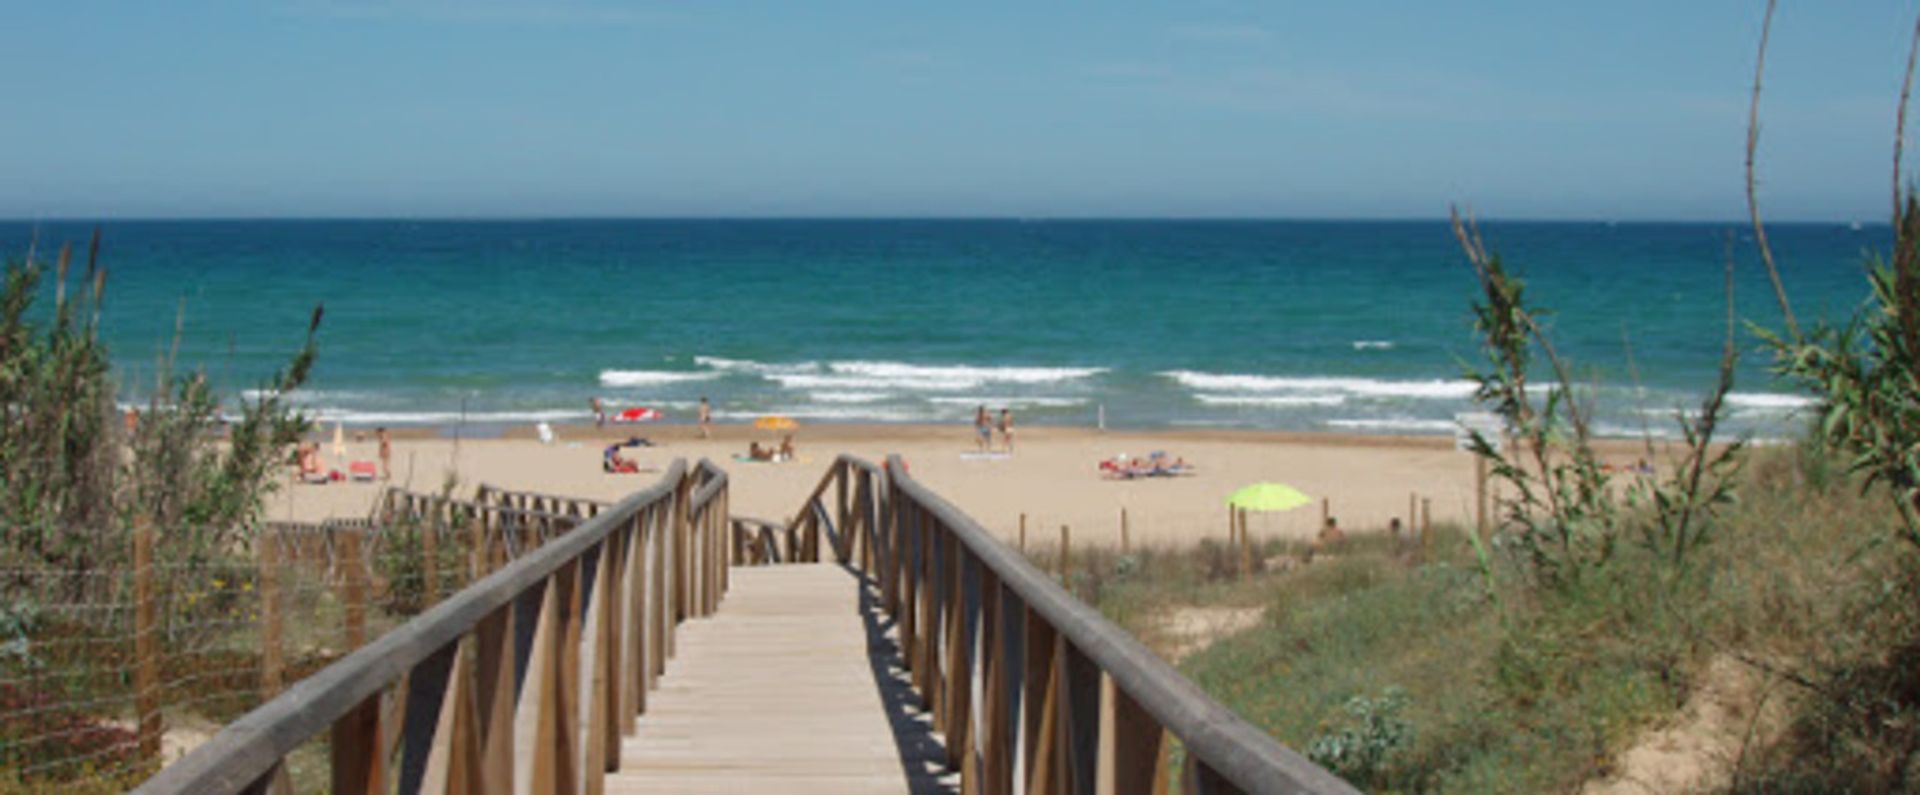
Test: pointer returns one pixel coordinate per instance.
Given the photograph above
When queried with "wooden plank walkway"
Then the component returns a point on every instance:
(793, 686)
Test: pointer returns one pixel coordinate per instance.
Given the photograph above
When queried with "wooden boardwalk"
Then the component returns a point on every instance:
(794, 686)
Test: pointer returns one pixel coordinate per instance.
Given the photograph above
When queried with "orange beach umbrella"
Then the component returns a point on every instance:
(775, 422)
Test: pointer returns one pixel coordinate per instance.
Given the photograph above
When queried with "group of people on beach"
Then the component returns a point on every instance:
(310, 466)
(1158, 464)
(771, 454)
(983, 425)
(599, 409)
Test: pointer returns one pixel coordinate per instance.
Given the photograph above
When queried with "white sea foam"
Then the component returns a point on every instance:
(1010, 402)
(1362, 387)
(855, 383)
(847, 397)
(1395, 424)
(990, 375)
(306, 396)
(1373, 345)
(749, 366)
(873, 376)
(1768, 401)
(1607, 430)
(826, 414)
(354, 417)
(629, 378)
(1271, 401)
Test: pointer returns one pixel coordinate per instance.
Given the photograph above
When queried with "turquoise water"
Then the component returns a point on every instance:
(1306, 325)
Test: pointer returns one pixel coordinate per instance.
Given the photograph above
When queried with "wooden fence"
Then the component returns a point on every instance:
(1033, 690)
(523, 681)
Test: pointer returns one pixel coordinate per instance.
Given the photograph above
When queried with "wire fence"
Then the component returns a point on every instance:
(106, 674)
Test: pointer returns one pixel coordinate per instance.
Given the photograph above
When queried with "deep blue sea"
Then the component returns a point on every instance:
(1305, 325)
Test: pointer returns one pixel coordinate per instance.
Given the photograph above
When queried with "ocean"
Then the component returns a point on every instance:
(1357, 326)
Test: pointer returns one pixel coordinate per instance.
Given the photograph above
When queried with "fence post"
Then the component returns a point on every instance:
(1414, 511)
(146, 642)
(429, 553)
(1066, 572)
(1126, 544)
(356, 586)
(1023, 534)
(1480, 496)
(1246, 547)
(272, 664)
(1426, 524)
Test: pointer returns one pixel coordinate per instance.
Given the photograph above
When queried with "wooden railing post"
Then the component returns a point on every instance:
(840, 475)
(146, 643)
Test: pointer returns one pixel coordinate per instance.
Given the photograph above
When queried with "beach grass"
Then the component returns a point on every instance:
(1530, 690)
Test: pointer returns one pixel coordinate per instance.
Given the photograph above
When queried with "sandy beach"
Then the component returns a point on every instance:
(1052, 477)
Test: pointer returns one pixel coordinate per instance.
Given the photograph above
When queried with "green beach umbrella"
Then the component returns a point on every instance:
(1268, 497)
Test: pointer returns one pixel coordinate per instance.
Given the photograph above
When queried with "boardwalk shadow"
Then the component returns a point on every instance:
(922, 756)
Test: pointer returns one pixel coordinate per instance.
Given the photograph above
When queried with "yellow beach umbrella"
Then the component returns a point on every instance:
(775, 422)
(1269, 497)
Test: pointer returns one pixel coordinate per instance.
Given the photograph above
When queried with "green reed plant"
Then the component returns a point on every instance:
(1568, 517)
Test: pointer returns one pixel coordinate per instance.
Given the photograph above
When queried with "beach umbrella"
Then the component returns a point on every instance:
(339, 439)
(775, 422)
(1269, 497)
(637, 414)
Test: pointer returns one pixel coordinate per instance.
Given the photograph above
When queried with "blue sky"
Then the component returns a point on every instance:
(541, 108)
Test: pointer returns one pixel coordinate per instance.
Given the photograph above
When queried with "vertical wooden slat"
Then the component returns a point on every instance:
(633, 691)
(1080, 710)
(430, 552)
(494, 700)
(146, 643)
(540, 699)
(423, 719)
(996, 764)
(657, 607)
(357, 764)
(1199, 779)
(572, 615)
(1130, 753)
(601, 751)
(1036, 690)
(958, 696)
(912, 524)
(932, 535)
(1048, 772)
(272, 664)
(355, 567)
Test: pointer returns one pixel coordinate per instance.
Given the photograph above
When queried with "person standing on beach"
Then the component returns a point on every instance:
(706, 418)
(386, 452)
(1006, 429)
(599, 412)
(983, 427)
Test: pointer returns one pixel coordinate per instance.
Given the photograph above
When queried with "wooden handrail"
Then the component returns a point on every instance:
(959, 580)
(586, 600)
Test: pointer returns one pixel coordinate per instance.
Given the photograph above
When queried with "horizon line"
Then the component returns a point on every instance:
(482, 218)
